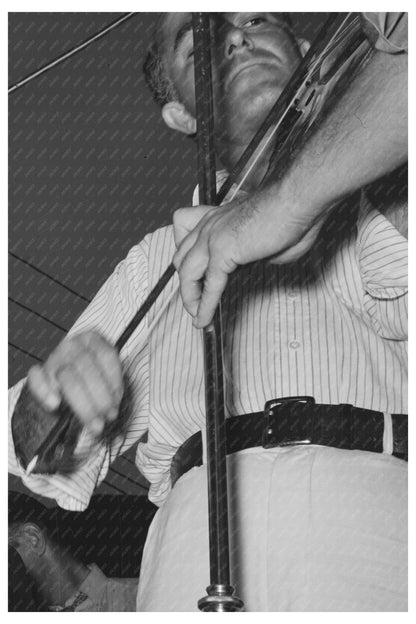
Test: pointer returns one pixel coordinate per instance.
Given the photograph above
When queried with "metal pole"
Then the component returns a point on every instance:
(219, 592)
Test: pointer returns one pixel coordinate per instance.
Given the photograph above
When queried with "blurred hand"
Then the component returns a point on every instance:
(85, 370)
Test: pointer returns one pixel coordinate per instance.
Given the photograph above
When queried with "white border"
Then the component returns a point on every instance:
(103, 6)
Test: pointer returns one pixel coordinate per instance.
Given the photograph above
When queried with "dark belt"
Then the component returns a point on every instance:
(299, 420)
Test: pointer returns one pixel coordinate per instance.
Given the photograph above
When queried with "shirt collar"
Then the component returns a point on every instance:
(221, 176)
(93, 583)
(91, 588)
(71, 604)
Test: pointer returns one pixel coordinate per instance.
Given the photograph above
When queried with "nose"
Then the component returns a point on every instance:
(235, 39)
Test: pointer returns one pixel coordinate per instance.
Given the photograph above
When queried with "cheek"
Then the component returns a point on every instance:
(287, 51)
(185, 86)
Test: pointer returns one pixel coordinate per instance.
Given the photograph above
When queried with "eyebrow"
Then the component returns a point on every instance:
(182, 32)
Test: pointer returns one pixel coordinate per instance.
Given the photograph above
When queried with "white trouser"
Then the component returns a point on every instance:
(311, 529)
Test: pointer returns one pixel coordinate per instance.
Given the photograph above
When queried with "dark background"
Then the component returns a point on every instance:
(92, 166)
(92, 169)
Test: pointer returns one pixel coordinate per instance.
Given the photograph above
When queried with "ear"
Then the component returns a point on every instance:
(32, 539)
(304, 45)
(176, 116)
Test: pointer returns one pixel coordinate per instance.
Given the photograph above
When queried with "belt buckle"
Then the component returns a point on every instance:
(277, 431)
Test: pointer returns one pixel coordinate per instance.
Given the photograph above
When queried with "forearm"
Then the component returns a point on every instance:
(361, 139)
(31, 418)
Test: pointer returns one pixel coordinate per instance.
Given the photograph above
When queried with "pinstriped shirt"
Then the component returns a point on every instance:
(333, 326)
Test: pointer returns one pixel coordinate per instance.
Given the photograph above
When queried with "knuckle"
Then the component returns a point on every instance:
(34, 371)
(90, 338)
(214, 244)
(178, 216)
(101, 345)
(64, 373)
(86, 365)
(36, 380)
(183, 269)
(66, 351)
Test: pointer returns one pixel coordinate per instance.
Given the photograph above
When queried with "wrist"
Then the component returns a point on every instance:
(302, 200)
(284, 212)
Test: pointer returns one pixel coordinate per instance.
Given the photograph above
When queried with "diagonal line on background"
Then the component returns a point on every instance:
(53, 279)
(69, 53)
(45, 318)
(35, 357)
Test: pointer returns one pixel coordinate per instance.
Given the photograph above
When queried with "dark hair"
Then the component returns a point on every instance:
(155, 73)
(24, 509)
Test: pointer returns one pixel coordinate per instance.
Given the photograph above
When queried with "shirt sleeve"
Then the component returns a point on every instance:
(387, 32)
(382, 257)
(109, 313)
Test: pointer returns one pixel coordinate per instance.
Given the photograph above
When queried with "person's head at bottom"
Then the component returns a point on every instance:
(33, 533)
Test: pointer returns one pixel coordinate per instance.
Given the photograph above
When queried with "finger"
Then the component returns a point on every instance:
(96, 387)
(186, 219)
(191, 272)
(78, 397)
(214, 285)
(44, 388)
(107, 361)
(185, 247)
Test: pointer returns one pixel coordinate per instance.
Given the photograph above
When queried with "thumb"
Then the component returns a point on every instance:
(44, 388)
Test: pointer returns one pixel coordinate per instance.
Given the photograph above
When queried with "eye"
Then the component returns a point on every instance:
(255, 21)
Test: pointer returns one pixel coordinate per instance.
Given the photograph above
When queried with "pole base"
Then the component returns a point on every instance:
(220, 598)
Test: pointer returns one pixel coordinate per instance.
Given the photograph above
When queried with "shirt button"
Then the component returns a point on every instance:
(292, 294)
(295, 344)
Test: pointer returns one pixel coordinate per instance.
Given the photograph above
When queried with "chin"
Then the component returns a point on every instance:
(248, 111)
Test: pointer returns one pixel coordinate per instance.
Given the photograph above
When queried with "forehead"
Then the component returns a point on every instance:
(174, 26)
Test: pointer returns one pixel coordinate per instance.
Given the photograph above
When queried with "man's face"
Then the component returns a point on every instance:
(253, 57)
